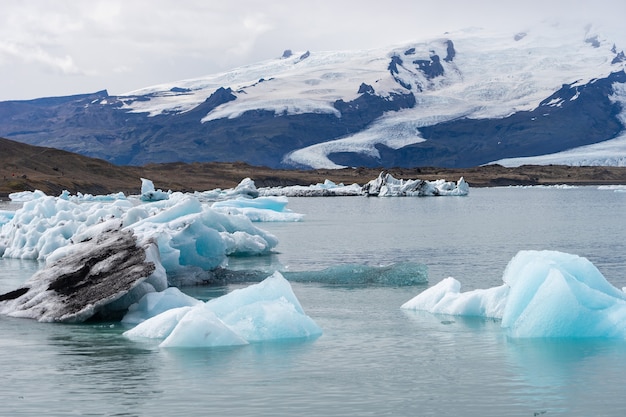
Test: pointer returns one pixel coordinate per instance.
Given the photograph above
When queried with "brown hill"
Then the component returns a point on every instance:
(27, 168)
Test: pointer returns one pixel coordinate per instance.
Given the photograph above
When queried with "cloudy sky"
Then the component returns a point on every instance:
(63, 47)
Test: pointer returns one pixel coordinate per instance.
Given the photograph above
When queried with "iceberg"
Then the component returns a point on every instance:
(191, 237)
(260, 209)
(385, 185)
(148, 192)
(155, 303)
(388, 186)
(6, 216)
(267, 311)
(546, 294)
(326, 189)
(100, 275)
(245, 189)
(113, 258)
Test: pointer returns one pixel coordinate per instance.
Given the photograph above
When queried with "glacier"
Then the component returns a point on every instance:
(545, 294)
(458, 99)
(492, 76)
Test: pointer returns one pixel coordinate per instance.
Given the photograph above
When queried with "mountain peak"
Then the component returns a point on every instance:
(467, 98)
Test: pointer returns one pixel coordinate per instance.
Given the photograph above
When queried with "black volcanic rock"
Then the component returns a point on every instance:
(619, 57)
(366, 89)
(450, 51)
(393, 64)
(432, 68)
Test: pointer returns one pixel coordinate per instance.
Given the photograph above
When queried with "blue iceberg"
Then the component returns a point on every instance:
(267, 311)
(546, 294)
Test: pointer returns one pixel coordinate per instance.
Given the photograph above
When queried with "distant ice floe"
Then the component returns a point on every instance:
(388, 186)
(385, 185)
(614, 188)
(546, 294)
(149, 193)
(326, 189)
(260, 209)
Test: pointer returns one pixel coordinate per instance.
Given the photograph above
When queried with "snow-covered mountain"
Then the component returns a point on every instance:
(547, 95)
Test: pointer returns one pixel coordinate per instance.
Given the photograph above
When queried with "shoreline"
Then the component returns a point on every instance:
(28, 168)
(108, 179)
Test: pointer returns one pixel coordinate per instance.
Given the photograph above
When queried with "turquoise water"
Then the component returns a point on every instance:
(373, 359)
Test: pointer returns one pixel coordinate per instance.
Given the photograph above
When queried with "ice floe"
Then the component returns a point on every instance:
(545, 294)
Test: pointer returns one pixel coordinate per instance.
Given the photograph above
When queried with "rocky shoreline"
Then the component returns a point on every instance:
(28, 168)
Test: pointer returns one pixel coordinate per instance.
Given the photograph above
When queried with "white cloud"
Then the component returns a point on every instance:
(33, 54)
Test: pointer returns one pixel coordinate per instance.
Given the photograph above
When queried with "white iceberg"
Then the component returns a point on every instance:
(385, 185)
(148, 192)
(545, 294)
(326, 189)
(260, 209)
(245, 189)
(191, 236)
(155, 303)
(267, 311)
(388, 186)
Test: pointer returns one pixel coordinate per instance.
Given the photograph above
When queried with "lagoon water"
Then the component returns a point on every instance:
(373, 358)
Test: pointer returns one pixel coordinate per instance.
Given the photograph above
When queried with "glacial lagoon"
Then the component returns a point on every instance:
(372, 358)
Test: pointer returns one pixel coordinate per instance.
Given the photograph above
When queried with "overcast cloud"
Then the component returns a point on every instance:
(63, 47)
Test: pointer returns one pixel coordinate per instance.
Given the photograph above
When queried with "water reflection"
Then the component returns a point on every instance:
(569, 374)
(97, 358)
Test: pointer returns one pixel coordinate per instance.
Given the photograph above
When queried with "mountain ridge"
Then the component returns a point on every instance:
(456, 101)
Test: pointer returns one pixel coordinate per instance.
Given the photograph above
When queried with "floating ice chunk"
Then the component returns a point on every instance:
(446, 298)
(266, 311)
(261, 209)
(148, 193)
(155, 303)
(545, 294)
(388, 186)
(24, 196)
(200, 327)
(397, 274)
(80, 197)
(555, 294)
(326, 189)
(245, 189)
(95, 278)
(192, 235)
